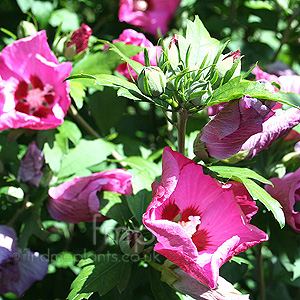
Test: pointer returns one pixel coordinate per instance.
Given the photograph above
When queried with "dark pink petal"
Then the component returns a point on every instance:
(274, 128)
(77, 201)
(21, 91)
(287, 191)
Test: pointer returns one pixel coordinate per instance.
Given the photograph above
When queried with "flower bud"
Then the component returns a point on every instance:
(31, 165)
(173, 54)
(78, 42)
(25, 29)
(225, 63)
(152, 81)
(131, 242)
(198, 92)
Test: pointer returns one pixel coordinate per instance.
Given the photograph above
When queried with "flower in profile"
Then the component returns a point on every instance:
(130, 36)
(224, 135)
(76, 200)
(31, 165)
(150, 15)
(286, 191)
(198, 223)
(32, 92)
(18, 269)
(79, 41)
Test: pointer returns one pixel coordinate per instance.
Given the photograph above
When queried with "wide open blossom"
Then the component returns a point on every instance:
(286, 191)
(150, 15)
(130, 36)
(18, 270)
(198, 223)
(76, 200)
(32, 92)
(224, 135)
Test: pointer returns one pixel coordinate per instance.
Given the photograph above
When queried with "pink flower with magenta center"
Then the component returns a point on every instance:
(32, 92)
(198, 222)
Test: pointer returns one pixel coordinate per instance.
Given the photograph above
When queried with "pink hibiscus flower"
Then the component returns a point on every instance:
(32, 92)
(76, 200)
(199, 224)
(130, 36)
(150, 15)
(287, 191)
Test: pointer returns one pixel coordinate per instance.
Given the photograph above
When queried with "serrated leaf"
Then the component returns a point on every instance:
(85, 154)
(70, 130)
(138, 204)
(110, 270)
(237, 172)
(245, 176)
(258, 193)
(237, 87)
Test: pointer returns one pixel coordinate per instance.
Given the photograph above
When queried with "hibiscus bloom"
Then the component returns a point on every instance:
(76, 200)
(286, 191)
(149, 15)
(32, 92)
(18, 269)
(224, 135)
(132, 37)
(198, 223)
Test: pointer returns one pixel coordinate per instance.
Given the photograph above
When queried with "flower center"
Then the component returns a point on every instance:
(140, 5)
(34, 98)
(190, 226)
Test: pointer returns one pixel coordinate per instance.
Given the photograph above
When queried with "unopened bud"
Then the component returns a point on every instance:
(131, 242)
(225, 63)
(25, 29)
(152, 81)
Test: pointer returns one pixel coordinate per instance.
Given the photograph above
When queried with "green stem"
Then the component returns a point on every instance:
(181, 130)
(155, 266)
(261, 275)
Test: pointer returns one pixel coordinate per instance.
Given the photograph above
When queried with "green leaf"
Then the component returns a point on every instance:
(138, 204)
(136, 66)
(104, 62)
(53, 155)
(85, 154)
(68, 20)
(77, 92)
(111, 270)
(236, 88)
(70, 130)
(245, 176)
(235, 173)
(42, 11)
(107, 109)
(161, 290)
(258, 193)
(201, 43)
(25, 5)
(120, 213)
